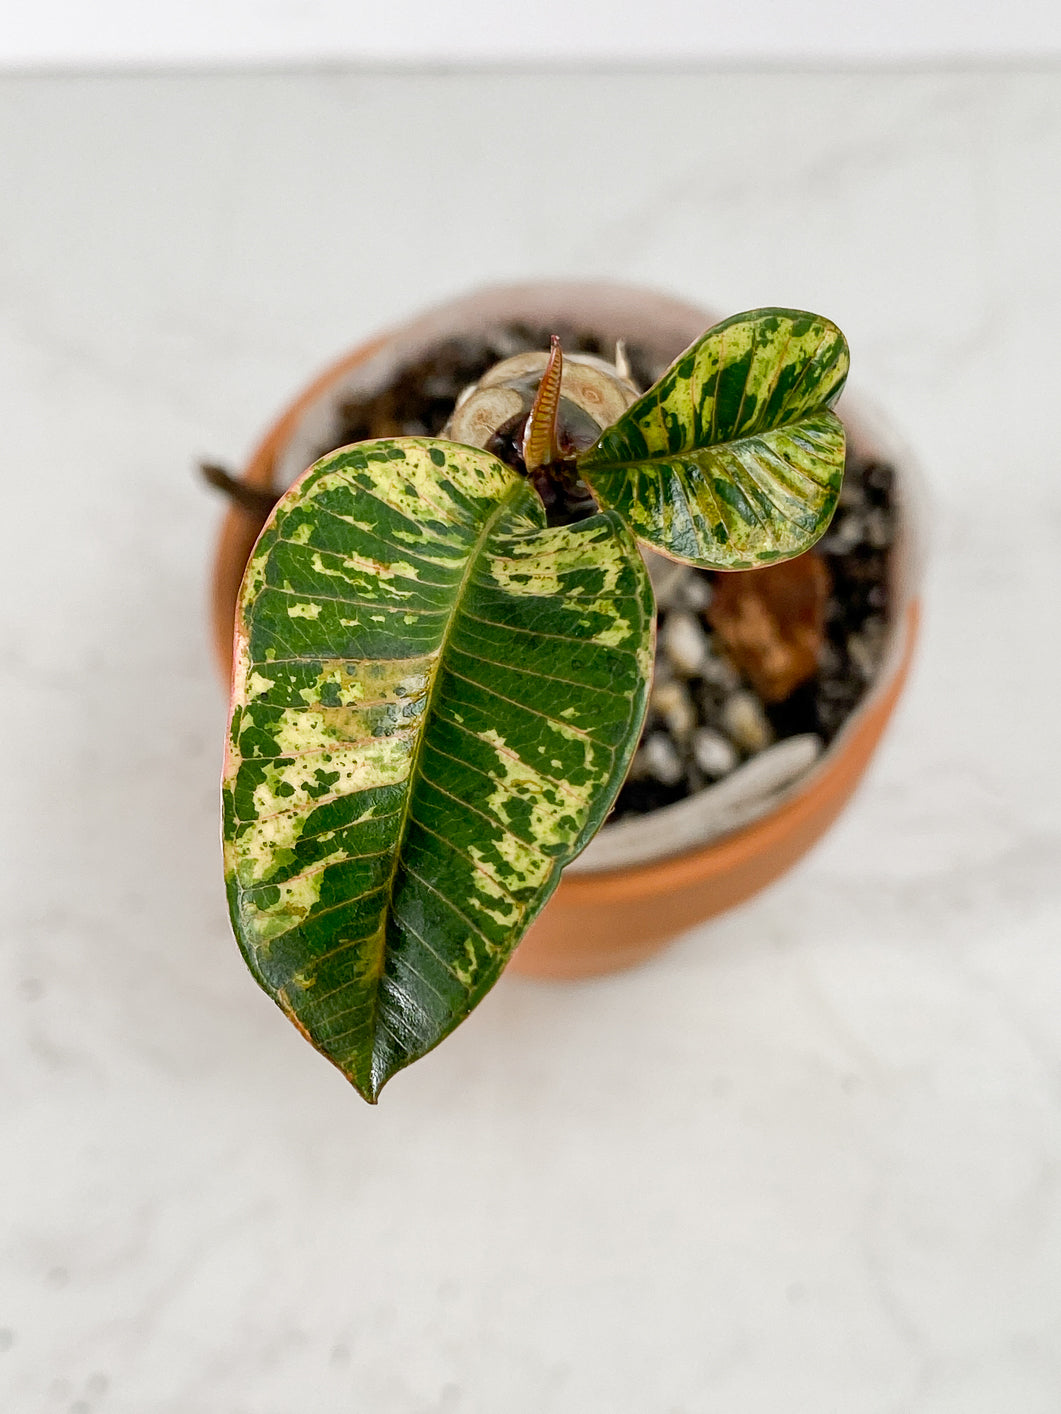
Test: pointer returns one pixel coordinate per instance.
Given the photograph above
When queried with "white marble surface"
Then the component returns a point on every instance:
(105, 33)
(810, 1160)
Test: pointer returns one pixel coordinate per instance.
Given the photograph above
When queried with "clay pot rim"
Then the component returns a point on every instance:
(717, 856)
(699, 862)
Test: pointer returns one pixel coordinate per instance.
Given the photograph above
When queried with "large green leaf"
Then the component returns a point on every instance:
(733, 459)
(435, 701)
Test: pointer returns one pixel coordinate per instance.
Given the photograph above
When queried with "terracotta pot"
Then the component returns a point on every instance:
(602, 921)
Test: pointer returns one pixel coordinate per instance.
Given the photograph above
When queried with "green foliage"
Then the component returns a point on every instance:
(733, 459)
(436, 702)
(437, 695)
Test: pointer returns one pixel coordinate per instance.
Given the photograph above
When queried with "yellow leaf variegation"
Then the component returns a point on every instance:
(436, 694)
(733, 459)
(435, 701)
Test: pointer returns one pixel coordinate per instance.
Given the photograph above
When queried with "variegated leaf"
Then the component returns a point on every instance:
(435, 701)
(733, 459)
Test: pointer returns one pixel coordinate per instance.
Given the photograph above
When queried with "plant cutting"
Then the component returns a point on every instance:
(444, 650)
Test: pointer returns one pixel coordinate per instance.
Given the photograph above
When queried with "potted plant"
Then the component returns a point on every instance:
(444, 652)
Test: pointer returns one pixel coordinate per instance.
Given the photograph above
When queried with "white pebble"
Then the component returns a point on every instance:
(863, 656)
(661, 671)
(675, 706)
(714, 754)
(684, 643)
(694, 592)
(878, 529)
(845, 533)
(659, 759)
(745, 721)
(720, 672)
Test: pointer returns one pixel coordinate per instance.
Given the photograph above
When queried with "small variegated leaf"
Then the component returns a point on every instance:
(733, 458)
(435, 701)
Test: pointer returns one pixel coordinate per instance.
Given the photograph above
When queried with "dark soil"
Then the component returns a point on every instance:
(419, 404)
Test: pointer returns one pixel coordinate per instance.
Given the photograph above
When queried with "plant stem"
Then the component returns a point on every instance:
(250, 498)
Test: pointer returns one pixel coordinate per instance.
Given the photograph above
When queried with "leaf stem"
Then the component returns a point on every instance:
(251, 498)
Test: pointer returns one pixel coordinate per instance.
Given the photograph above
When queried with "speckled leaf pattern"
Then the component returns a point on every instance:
(733, 459)
(435, 701)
